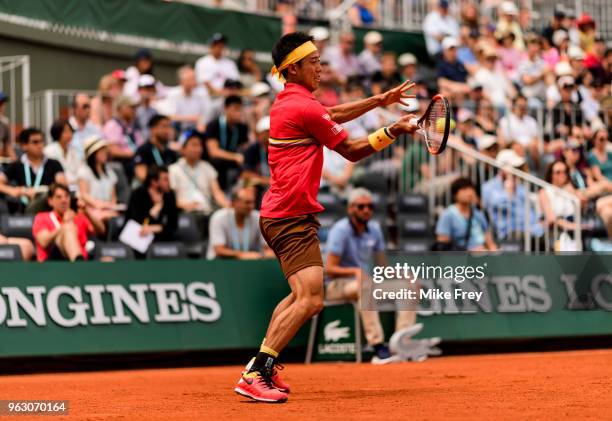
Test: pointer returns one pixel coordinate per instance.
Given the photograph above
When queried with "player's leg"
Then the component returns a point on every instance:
(282, 306)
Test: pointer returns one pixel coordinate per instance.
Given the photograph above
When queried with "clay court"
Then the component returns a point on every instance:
(555, 385)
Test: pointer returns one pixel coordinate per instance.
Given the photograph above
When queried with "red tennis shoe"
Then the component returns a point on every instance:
(277, 382)
(260, 388)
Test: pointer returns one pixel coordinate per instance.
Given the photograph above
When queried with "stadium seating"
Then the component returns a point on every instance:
(189, 234)
(169, 250)
(412, 203)
(116, 251)
(114, 228)
(10, 252)
(17, 226)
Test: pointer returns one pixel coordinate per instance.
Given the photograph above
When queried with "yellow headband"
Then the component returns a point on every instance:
(293, 57)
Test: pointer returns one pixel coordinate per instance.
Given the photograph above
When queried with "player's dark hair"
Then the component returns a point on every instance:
(460, 184)
(286, 45)
(156, 119)
(57, 186)
(24, 136)
(232, 99)
(57, 128)
(153, 174)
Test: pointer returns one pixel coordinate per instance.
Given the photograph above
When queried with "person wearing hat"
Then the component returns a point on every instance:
(451, 74)
(407, 63)
(370, 57)
(488, 145)
(532, 71)
(213, 69)
(61, 234)
(437, 25)
(28, 177)
(6, 143)
(123, 134)
(145, 111)
(155, 151)
(586, 32)
(61, 149)
(508, 22)
(97, 182)
(255, 169)
(495, 83)
(189, 105)
(556, 23)
(502, 195)
(566, 113)
(320, 35)
(143, 65)
(509, 55)
(195, 182)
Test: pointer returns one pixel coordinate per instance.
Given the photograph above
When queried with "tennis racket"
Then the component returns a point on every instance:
(434, 124)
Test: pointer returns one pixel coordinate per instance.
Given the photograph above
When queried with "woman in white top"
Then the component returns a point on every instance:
(557, 207)
(97, 183)
(61, 150)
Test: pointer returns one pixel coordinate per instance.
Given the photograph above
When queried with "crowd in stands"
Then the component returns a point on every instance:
(140, 149)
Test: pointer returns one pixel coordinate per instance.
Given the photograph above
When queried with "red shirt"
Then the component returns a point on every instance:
(299, 128)
(46, 221)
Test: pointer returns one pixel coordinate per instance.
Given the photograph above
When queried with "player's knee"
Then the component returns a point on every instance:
(316, 305)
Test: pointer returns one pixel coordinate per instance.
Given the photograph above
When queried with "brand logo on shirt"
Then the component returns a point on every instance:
(336, 129)
(326, 116)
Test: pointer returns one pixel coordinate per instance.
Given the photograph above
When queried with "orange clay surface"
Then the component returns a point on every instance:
(534, 386)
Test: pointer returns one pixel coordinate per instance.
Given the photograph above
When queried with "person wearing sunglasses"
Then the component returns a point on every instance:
(353, 242)
(81, 122)
(27, 179)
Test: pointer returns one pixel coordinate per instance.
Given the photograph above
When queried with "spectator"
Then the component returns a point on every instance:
(336, 174)
(24, 244)
(214, 69)
(388, 76)
(97, 182)
(195, 182)
(437, 25)
(256, 169)
(248, 68)
(234, 231)
(507, 22)
(62, 151)
(556, 24)
(466, 129)
(82, 124)
(363, 13)
(586, 32)
(452, 75)
(558, 209)
(320, 35)
(594, 61)
(566, 113)
(261, 102)
(123, 135)
(6, 143)
(225, 138)
(462, 226)
(353, 242)
(155, 151)
(61, 234)
(494, 82)
(470, 15)
(327, 94)
(143, 65)
(370, 57)
(153, 205)
(488, 146)
(465, 52)
(28, 177)
(102, 106)
(189, 104)
(521, 131)
(408, 67)
(505, 201)
(342, 59)
(145, 111)
(509, 55)
(600, 157)
(531, 72)
(486, 117)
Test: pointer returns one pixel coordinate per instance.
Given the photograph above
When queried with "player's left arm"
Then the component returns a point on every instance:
(351, 110)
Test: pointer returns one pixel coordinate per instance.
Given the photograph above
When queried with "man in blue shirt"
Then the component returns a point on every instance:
(353, 242)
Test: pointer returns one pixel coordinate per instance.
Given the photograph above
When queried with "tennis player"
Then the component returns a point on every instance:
(299, 128)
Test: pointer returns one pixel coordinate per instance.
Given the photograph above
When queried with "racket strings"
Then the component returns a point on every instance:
(435, 124)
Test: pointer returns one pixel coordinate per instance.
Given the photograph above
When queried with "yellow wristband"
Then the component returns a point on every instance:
(380, 139)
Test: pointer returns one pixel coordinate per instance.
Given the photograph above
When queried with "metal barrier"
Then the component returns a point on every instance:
(51, 104)
(15, 82)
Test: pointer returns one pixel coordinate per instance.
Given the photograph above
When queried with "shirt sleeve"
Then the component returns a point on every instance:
(336, 241)
(444, 225)
(319, 124)
(140, 156)
(39, 223)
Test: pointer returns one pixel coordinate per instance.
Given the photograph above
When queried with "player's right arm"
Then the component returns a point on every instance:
(357, 149)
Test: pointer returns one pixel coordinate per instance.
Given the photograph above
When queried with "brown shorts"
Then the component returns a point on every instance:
(294, 240)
